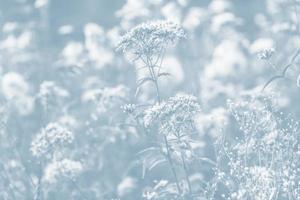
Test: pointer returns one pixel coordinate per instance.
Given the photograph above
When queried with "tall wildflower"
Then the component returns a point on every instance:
(174, 119)
(148, 43)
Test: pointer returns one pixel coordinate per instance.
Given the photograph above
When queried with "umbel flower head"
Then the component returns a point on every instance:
(50, 138)
(176, 115)
(151, 38)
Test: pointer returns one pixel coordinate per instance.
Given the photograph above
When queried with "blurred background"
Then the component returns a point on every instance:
(57, 56)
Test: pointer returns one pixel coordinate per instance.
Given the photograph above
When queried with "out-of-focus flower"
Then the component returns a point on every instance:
(10, 27)
(15, 88)
(262, 44)
(95, 44)
(65, 29)
(50, 138)
(41, 3)
(126, 186)
(50, 88)
(62, 168)
(49, 92)
(151, 38)
(171, 11)
(132, 9)
(225, 64)
(72, 54)
(222, 19)
(263, 47)
(106, 97)
(113, 36)
(14, 85)
(193, 18)
(13, 43)
(219, 6)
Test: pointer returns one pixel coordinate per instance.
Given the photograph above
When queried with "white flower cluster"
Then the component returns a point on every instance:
(62, 168)
(151, 38)
(16, 89)
(50, 91)
(50, 138)
(176, 115)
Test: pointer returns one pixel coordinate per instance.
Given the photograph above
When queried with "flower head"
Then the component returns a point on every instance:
(174, 115)
(151, 37)
(50, 138)
(62, 168)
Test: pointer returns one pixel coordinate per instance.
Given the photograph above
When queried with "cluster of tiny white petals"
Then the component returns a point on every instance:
(174, 113)
(62, 168)
(151, 37)
(52, 136)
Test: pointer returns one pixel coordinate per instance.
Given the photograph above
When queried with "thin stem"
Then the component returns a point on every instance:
(154, 77)
(171, 164)
(38, 192)
(157, 91)
(284, 72)
(186, 173)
